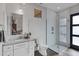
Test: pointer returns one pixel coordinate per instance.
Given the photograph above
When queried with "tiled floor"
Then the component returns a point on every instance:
(63, 51)
(70, 52)
(49, 53)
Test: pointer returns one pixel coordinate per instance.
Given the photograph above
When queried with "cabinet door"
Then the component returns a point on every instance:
(21, 50)
(31, 48)
(8, 53)
(8, 50)
(0, 49)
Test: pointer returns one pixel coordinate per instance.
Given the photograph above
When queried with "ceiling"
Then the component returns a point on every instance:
(58, 6)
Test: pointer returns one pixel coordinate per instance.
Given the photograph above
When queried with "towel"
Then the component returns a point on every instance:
(2, 38)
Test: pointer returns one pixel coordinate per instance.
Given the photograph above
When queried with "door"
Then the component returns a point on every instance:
(74, 31)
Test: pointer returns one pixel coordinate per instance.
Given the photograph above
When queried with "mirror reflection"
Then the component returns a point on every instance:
(16, 21)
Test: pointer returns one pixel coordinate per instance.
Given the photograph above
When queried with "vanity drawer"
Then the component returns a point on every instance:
(19, 45)
(8, 48)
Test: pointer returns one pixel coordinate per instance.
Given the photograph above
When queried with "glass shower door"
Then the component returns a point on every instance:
(51, 31)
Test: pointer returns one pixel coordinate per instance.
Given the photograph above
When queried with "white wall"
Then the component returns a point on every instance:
(37, 26)
(66, 14)
(1, 16)
(25, 19)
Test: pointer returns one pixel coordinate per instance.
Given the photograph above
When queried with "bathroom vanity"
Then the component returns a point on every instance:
(14, 27)
(21, 47)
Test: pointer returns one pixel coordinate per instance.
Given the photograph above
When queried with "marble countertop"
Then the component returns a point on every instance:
(17, 41)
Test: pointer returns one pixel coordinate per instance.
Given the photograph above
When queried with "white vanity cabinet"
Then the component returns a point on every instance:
(25, 48)
(21, 49)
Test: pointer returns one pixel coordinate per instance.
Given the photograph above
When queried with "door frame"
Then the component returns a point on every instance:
(71, 44)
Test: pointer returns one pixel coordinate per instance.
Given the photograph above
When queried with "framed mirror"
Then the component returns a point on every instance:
(16, 24)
